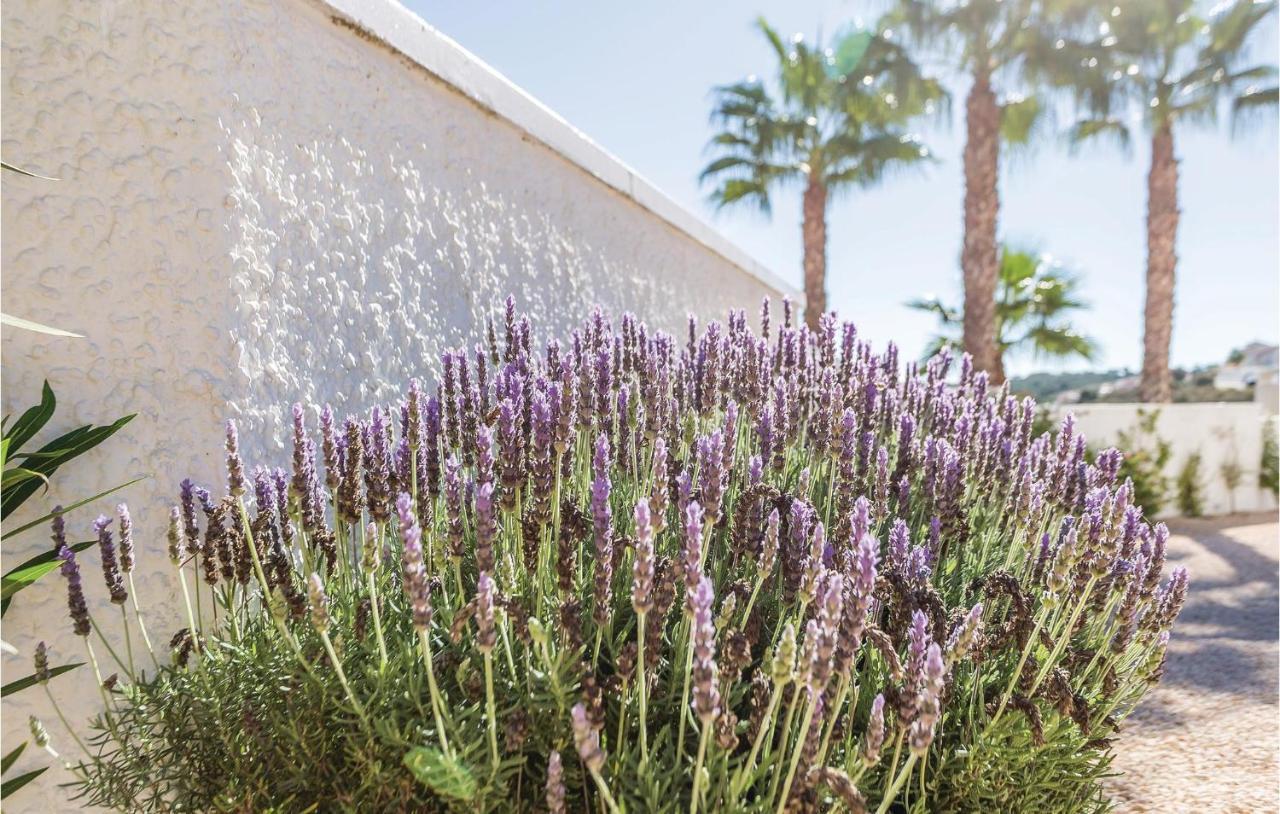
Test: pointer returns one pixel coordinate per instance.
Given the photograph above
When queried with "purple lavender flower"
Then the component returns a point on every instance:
(642, 568)
(928, 702)
(486, 634)
(126, 538)
(415, 574)
(769, 547)
(711, 474)
(899, 544)
(329, 442)
(235, 467)
(659, 496)
(377, 468)
(76, 605)
(964, 634)
(586, 739)
(691, 554)
(486, 527)
(510, 450)
(875, 733)
(190, 523)
(350, 500)
(602, 517)
(706, 694)
(110, 565)
(176, 539)
(555, 784)
(319, 600)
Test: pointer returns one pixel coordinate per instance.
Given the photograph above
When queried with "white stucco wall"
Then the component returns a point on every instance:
(268, 200)
(1221, 432)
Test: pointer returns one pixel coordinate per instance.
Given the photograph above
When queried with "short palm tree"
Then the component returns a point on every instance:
(834, 119)
(1160, 63)
(991, 42)
(1034, 300)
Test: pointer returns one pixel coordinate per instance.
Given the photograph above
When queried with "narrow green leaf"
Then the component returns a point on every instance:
(30, 681)
(10, 786)
(67, 509)
(11, 757)
(36, 327)
(33, 569)
(31, 421)
(68, 446)
(15, 475)
(441, 773)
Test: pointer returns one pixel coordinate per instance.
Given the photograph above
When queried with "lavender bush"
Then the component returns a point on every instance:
(636, 573)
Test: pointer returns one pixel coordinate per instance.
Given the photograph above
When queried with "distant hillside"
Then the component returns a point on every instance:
(1044, 386)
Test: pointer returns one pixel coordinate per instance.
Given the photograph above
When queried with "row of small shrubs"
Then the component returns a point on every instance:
(631, 572)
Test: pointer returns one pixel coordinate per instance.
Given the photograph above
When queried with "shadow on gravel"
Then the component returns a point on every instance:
(1230, 612)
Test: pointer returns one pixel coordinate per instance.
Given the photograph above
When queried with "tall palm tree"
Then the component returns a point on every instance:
(1034, 301)
(1160, 63)
(834, 119)
(988, 41)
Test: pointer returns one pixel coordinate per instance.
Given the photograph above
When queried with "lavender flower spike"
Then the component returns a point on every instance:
(320, 618)
(486, 635)
(76, 606)
(586, 739)
(642, 569)
(177, 540)
(964, 635)
(126, 538)
(555, 784)
(415, 574)
(875, 733)
(706, 695)
(928, 703)
(235, 467)
(110, 565)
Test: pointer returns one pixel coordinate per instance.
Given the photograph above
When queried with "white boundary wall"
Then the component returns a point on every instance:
(268, 200)
(1221, 432)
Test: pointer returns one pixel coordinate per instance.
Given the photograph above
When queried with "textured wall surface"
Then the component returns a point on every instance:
(257, 205)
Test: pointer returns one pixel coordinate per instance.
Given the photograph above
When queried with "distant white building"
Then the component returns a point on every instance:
(1257, 363)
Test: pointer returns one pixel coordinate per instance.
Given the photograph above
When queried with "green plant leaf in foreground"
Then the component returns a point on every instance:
(441, 773)
(10, 786)
(30, 422)
(9, 759)
(40, 521)
(54, 454)
(29, 681)
(30, 571)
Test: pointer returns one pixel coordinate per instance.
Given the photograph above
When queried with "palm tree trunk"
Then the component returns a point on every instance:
(979, 259)
(815, 252)
(1162, 258)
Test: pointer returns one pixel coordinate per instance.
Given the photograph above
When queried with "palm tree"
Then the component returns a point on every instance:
(1160, 63)
(1034, 300)
(987, 40)
(834, 119)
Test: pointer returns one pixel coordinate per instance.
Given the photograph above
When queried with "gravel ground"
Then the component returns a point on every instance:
(1207, 739)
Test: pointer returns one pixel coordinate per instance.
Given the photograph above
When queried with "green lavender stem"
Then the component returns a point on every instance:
(492, 713)
(901, 778)
(697, 768)
(142, 628)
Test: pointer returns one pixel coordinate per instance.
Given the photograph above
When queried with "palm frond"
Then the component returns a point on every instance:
(1252, 102)
(1113, 130)
(1022, 119)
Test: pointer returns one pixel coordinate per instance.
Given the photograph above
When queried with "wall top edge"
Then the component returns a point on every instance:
(394, 26)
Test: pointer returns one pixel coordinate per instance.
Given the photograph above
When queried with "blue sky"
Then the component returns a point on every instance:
(635, 77)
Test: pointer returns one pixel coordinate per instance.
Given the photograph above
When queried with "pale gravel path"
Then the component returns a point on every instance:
(1207, 739)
